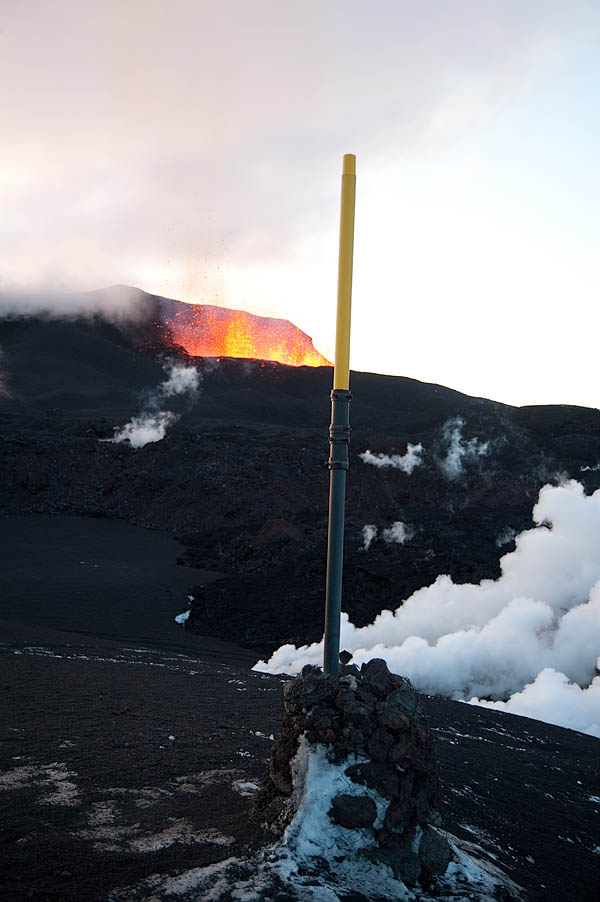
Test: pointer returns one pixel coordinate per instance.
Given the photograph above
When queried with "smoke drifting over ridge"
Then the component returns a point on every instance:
(118, 304)
(151, 424)
(528, 642)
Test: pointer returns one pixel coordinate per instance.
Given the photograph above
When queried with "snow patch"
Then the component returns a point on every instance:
(245, 788)
(180, 831)
(52, 779)
(318, 861)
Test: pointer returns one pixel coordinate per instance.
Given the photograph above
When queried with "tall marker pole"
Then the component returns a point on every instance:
(339, 431)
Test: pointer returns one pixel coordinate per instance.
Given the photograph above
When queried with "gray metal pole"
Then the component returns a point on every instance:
(339, 437)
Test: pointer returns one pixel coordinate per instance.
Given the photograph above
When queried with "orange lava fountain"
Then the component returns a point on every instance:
(208, 331)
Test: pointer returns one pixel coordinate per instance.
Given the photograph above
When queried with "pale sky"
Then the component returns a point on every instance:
(194, 149)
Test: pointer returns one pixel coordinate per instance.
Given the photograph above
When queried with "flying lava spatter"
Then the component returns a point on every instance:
(208, 331)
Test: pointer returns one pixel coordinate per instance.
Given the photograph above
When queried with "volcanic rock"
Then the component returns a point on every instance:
(353, 812)
(275, 531)
(376, 776)
(376, 675)
(396, 766)
(434, 851)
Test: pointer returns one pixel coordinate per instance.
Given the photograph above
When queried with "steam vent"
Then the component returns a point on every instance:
(208, 331)
(369, 728)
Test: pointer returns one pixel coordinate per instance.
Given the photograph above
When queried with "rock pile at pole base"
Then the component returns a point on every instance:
(373, 727)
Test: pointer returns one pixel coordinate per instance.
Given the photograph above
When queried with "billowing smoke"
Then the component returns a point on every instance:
(398, 533)
(405, 462)
(369, 532)
(151, 424)
(119, 304)
(529, 640)
(459, 452)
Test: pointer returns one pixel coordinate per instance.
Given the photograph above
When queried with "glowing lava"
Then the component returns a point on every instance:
(208, 331)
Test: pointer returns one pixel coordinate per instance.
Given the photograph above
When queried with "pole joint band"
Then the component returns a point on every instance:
(340, 394)
(339, 433)
(337, 464)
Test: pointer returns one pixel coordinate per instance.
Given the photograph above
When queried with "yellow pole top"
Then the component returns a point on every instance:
(341, 372)
(349, 166)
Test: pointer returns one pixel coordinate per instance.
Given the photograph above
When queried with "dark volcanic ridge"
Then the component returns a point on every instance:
(151, 322)
(241, 477)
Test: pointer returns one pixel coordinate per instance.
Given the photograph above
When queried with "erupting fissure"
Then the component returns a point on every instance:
(208, 331)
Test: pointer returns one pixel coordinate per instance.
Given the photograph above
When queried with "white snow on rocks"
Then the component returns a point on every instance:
(317, 860)
(245, 787)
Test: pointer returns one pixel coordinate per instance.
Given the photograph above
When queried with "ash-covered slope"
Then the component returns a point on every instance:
(90, 688)
(78, 822)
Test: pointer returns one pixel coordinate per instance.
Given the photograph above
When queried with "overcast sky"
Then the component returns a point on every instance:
(194, 149)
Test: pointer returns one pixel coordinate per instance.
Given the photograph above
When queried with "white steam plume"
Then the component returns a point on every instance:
(398, 533)
(495, 640)
(459, 452)
(539, 700)
(145, 428)
(405, 462)
(151, 424)
(369, 532)
(119, 304)
(590, 469)
(182, 380)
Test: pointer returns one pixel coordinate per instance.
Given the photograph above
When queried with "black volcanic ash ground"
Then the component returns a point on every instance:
(96, 676)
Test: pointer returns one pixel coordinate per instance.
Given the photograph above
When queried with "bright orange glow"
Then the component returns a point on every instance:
(207, 331)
